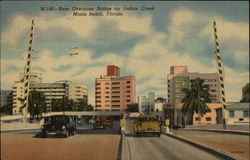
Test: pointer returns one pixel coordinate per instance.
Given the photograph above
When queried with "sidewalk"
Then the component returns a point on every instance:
(220, 130)
(232, 144)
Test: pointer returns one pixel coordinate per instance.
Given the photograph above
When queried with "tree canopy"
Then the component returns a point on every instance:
(196, 98)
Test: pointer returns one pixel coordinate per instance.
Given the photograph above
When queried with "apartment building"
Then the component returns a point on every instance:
(113, 92)
(51, 91)
(179, 78)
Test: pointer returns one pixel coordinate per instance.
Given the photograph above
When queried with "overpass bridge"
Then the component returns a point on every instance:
(70, 113)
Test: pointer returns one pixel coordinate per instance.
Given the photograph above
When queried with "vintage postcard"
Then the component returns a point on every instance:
(124, 80)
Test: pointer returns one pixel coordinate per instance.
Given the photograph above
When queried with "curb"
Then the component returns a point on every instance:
(19, 130)
(219, 131)
(119, 150)
(216, 152)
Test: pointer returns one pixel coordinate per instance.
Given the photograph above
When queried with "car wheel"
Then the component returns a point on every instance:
(67, 134)
(73, 132)
(44, 134)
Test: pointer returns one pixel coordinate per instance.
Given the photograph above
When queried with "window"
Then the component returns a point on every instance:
(127, 95)
(115, 82)
(208, 118)
(128, 81)
(245, 113)
(98, 83)
(116, 92)
(197, 118)
(115, 101)
(209, 110)
(107, 92)
(128, 91)
(128, 100)
(231, 113)
(106, 96)
(115, 96)
(115, 87)
(128, 86)
(107, 88)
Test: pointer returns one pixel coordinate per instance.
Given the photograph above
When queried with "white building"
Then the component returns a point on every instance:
(146, 104)
(51, 91)
(159, 104)
(238, 114)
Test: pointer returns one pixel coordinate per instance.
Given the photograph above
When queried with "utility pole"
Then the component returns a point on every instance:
(221, 74)
(27, 74)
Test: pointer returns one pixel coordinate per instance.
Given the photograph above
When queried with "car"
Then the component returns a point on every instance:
(59, 124)
(147, 124)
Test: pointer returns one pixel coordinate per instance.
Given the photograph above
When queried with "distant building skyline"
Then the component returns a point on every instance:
(51, 91)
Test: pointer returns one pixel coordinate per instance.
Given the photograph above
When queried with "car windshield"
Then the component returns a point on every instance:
(59, 118)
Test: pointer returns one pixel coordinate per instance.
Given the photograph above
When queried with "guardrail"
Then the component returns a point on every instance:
(82, 113)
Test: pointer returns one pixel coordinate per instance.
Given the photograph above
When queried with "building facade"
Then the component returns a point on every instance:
(6, 98)
(159, 104)
(113, 92)
(146, 104)
(179, 78)
(209, 118)
(236, 114)
(51, 91)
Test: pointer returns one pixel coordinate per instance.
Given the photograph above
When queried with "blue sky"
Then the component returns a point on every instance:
(143, 43)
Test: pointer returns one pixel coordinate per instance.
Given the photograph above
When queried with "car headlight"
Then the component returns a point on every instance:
(63, 127)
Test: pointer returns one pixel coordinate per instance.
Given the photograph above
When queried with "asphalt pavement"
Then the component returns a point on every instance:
(161, 148)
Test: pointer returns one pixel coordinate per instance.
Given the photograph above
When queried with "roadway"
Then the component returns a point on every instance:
(160, 148)
(87, 144)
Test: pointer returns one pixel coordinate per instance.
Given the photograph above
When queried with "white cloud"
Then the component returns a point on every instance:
(13, 32)
(149, 60)
(81, 27)
(227, 30)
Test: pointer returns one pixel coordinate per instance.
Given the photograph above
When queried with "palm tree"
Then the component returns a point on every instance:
(37, 104)
(195, 98)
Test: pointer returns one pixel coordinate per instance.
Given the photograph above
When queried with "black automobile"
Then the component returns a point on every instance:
(59, 124)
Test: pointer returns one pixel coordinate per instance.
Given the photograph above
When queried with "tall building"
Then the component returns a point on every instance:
(146, 104)
(179, 78)
(113, 70)
(51, 91)
(113, 92)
